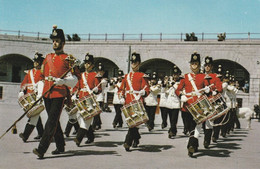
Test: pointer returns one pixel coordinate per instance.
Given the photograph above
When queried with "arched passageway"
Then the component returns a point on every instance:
(110, 67)
(240, 73)
(12, 67)
(161, 66)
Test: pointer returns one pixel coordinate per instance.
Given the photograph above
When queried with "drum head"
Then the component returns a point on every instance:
(36, 110)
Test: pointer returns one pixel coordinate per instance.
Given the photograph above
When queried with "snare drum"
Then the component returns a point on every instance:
(201, 109)
(135, 113)
(87, 107)
(70, 109)
(27, 101)
(219, 103)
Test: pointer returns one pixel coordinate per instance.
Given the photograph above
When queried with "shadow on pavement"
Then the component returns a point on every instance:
(152, 148)
(81, 153)
(212, 153)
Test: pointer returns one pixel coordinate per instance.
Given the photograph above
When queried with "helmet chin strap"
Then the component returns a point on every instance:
(134, 68)
(197, 70)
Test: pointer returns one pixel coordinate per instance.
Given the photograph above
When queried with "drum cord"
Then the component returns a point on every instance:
(221, 123)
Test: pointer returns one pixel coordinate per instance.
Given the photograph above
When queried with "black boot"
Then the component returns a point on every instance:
(27, 132)
(80, 135)
(193, 145)
(207, 137)
(135, 144)
(90, 135)
(40, 129)
(68, 129)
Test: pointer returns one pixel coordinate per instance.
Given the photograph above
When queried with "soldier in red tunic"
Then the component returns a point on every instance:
(87, 84)
(30, 84)
(211, 78)
(53, 67)
(191, 83)
(137, 89)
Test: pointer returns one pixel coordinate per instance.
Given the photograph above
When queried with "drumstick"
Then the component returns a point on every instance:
(199, 90)
(14, 124)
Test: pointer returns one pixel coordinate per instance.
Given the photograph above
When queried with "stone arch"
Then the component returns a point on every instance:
(240, 73)
(12, 67)
(161, 66)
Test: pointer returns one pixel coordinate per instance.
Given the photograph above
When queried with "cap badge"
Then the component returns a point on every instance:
(54, 33)
(195, 57)
(207, 60)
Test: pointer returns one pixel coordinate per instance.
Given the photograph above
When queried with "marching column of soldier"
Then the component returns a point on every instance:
(206, 100)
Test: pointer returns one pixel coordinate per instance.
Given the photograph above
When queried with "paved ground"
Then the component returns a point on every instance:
(240, 150)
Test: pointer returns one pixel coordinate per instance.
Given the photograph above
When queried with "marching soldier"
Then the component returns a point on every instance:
(100, 96)
(232, 91)
(192, 83)
(72, 121)
(54, 66)
(118, 121)
(30, 84)
(134, 87)
(87, 84)
(173, 102)
(163, 101)
(151, 101)
(211, 78)
(229, 92)
(225, 83)
(218, 121)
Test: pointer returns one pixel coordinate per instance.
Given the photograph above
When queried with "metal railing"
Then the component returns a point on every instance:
(23, 35)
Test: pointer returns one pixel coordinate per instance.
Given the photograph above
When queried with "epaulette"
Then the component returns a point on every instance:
(70, 57)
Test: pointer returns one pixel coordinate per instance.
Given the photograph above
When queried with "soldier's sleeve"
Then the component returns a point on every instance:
(219, 85)
(180, 87)
(145, 85)
(96, 83)
(121, 89)
(24, 82)
(76, 88)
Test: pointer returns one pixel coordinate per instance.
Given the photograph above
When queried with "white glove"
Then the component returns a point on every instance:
(230, 87)
(184, 98)
(214, 93)
(207, 89)
(70, 80)
(122, 100)
(59, 81)
(103, 81)
(142, 92)
(95, 89)
(224, 85)
(20, 94)
(74, 97)
(159, 82)
(236, 90)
